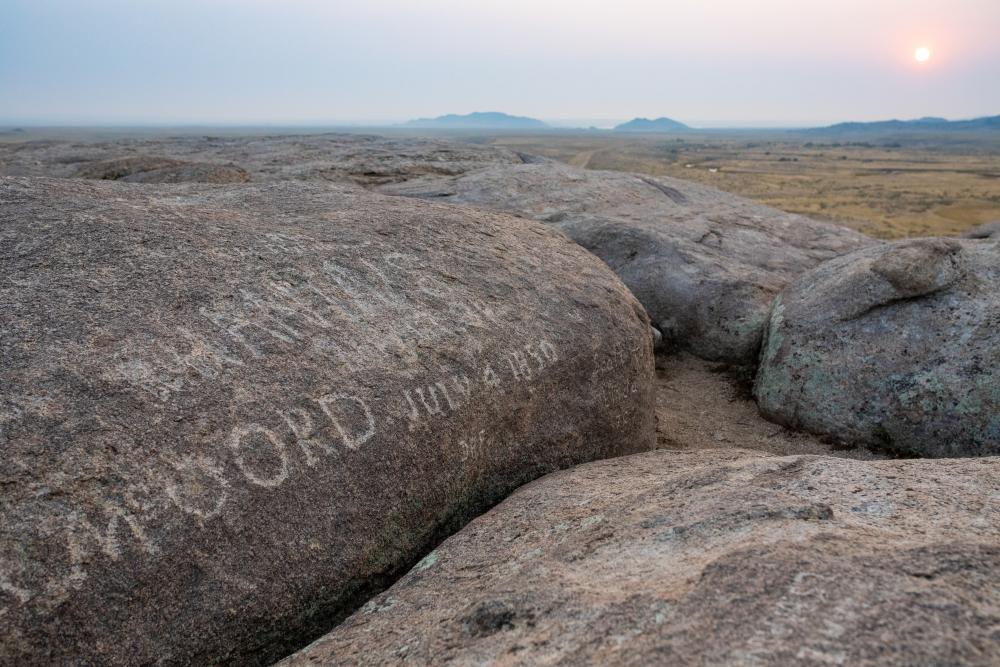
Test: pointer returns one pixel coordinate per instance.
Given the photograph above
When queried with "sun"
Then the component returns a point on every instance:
(922, 55)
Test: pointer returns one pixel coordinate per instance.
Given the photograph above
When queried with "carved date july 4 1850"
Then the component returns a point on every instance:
(269, 450)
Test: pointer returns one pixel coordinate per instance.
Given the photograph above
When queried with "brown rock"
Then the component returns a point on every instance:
(706, 264)
(229, 414)
(162, 170)
(344, 158)
(720, 557)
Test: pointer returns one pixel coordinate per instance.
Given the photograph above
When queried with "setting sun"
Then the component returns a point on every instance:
(922, 55)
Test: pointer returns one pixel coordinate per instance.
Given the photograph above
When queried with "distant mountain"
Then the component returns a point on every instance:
(479, 120)
(926, 124)
(655, 125)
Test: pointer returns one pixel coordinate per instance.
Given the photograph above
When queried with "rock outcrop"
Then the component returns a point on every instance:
(991, 230)
(705, 558)
(896, 347)
(148, 169)
(704, 263)
(229, 414)
(345, 158)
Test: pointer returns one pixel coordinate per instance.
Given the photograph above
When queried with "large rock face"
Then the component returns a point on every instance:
(162, 170)
(704, 263)
(229, 414)
(705, 558)
(347, 158)
(897, 347)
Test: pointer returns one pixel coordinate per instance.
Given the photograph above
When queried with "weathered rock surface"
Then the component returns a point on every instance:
(705, 558)
(897, 347)
(348, 158)
(147, 169)
(229, 414)
(991, 230)
(705, 264)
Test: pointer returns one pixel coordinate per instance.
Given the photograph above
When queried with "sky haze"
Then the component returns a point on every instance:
(727, 62)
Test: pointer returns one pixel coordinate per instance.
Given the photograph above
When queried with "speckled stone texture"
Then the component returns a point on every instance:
(162, 170)
(706, 264)
(229, 414)
(365, 160)
(895, 347)
(721, 557)
(991, 230)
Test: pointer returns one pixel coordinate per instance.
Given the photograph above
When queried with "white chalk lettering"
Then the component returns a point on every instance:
(491, 378)
(357, 316)
(190, 489)
(82, 535)
(301, 424)
(473, 446)
(339, 416)
(519, 365)
(433, 408)
(462, 385)
(240, 434)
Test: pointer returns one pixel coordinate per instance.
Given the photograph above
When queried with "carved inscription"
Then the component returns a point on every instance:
(473, 446)
(306, 309)
(452, 392)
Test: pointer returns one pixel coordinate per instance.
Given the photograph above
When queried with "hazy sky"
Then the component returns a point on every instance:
(321, 61)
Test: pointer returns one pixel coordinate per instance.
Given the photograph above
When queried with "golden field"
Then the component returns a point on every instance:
(886, 186)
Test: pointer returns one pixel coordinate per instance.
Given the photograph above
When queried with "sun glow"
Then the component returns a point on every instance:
(922, 55)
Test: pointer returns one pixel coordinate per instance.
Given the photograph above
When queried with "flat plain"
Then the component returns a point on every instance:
(885, 185)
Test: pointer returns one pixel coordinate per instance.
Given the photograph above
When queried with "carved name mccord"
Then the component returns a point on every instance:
(268, 454)
(352, 421)
(311, 306)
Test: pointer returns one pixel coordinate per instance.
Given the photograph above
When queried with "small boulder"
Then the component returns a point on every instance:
(230, 414)
(706, 264)
(714, 557)
(991, 230)
(896, 347)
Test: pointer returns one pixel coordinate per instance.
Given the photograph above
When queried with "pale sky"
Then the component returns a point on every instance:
(705, 62)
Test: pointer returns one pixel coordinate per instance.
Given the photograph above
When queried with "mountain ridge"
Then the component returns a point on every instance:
(478, 119)
(924, 124)
(661, 124)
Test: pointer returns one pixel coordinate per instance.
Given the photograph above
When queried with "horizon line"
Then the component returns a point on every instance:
(552, 124)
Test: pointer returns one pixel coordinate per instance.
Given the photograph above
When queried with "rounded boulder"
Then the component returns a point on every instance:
(895, 347)
(230, 414)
